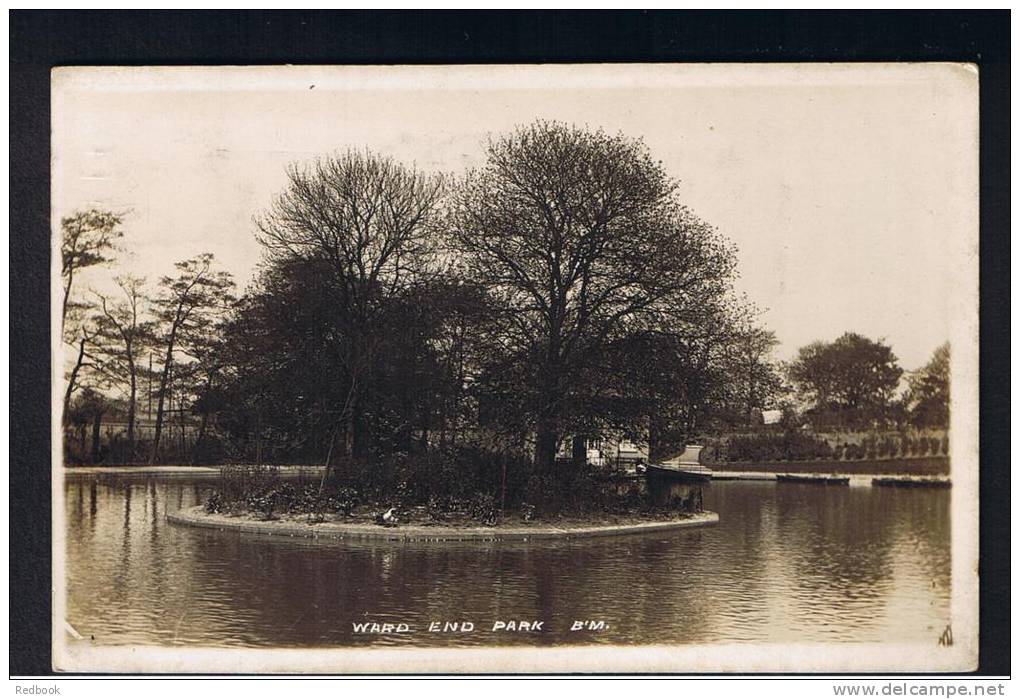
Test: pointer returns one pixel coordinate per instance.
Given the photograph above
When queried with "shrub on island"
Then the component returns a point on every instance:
(454, 485)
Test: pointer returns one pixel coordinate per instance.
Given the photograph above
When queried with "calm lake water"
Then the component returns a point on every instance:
(786, 563)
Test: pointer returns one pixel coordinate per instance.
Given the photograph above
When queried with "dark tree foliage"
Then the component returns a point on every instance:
(578, 297)
(85, 414)
(755, 379)
(848, 382)
(202, 381)
(284, 385)
(928, 398)
(711, 373)
(427, 362)
(369, 224)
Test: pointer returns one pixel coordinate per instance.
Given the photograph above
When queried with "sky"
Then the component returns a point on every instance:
(850, 191)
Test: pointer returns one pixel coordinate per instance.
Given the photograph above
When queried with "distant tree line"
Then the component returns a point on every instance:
(559, 292)
(854, 383)
(112, 335)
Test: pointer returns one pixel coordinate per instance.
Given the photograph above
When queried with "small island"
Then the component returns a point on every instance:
(420, 504)
(364, 527)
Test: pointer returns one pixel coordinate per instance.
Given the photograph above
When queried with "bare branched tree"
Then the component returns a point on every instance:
(87, 239)
(121, 335)
(581, 235)
(78, 332)
(189, 302)
(371, 221)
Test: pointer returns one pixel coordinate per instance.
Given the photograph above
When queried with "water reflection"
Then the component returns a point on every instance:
(787, 563)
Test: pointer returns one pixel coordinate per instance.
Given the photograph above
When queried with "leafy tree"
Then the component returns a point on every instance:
(850, 381)
(281, 363)
(928, 396)
(89, 408)
(663, 379)
(87, 239)
(281, 369)
(708, 371)
(580, 237)
(187, 306)
(425, 364)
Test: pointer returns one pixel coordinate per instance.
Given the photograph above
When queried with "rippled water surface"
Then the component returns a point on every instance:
(786, 563)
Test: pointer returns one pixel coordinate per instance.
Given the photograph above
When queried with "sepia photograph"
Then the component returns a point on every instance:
(515, 368)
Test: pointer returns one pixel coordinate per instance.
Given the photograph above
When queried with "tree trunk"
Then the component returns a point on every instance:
(546, 429)
(442, 420)
(161, 395)
(258, 437)
(132, 401)
(183, 444)
(654, 439)
(348, 438)
(201, 435)
(350, 426)
(502, 496)
(545, 446)
(362, 431)
(579, 451)
(74, 372)
(350, 416)
(205, 419)
(354, 427)
(67, 295)
(97, 423)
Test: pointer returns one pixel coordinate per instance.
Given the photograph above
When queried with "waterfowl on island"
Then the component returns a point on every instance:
(388, 518)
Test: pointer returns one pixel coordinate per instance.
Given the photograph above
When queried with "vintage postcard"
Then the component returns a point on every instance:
(518, 368)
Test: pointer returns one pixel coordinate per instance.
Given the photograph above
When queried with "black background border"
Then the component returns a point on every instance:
(40, 40)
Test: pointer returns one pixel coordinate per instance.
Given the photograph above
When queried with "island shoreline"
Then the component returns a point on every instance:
(197, 517)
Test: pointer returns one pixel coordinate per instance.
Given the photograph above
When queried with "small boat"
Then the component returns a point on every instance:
(685, 466)
(812, 478)
(697, 473)
(911, 482)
